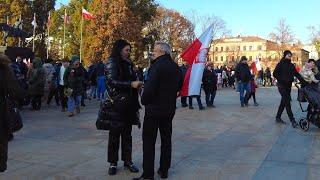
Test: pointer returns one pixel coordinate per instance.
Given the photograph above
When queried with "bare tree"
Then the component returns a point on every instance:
(282, 35)
(315, 37)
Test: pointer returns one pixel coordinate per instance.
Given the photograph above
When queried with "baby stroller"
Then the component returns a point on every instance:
(308, 94)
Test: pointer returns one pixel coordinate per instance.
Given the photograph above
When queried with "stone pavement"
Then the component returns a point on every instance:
(227, 142)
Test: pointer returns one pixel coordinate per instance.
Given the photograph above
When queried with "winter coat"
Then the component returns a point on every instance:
(36, 79)
(100, 69)
(160, 90)
(285, 72)
(243, 73)
(209, 80)
(74, 79)
(9, 86)
(308, 75)
(120, 74)
(50, 72)
(92, 75)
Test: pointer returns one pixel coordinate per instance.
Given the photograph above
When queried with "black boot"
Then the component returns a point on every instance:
(162, 174)
(112, 169)
(279, 120)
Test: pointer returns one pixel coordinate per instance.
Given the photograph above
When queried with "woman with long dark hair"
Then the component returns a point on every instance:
(9, 87)
(123, 88)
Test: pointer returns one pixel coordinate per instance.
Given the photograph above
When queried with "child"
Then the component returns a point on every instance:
(253, 87)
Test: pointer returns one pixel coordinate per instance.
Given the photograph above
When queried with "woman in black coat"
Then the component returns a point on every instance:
(9, 86)
(122, 86)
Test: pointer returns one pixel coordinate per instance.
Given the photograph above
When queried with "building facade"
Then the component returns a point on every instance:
(227, 51)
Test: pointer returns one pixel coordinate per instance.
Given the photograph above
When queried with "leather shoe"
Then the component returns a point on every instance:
(112, 169)
(142, 178)
(163, 174)
(131, 167)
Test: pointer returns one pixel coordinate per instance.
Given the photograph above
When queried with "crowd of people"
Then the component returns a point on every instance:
(71, 84)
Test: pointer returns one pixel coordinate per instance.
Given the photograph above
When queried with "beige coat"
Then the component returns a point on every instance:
(308, 75)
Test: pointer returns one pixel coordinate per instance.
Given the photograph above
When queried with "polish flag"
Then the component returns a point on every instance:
(195, 55)
(86, 15)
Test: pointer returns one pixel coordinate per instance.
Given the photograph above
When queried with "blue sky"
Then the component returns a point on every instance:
(253, 17)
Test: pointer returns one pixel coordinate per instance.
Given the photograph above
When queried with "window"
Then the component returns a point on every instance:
(221, 48)
(216, 58)
(227, 48)
(250, 58)
(217, 49)
(221, 58)
(250, 48)
(232, 58)
(259, 48)
(244, 48)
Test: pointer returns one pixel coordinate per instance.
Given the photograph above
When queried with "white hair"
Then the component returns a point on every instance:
(165, 47)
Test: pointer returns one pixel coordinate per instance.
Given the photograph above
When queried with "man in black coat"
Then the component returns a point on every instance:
(159, 97)
(243, 76)
(284, 73)
(209, 82)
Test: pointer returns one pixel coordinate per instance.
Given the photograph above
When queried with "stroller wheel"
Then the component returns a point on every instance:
(304, 124)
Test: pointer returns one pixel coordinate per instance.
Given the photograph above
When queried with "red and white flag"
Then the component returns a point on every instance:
(86, 15)
(195, 55)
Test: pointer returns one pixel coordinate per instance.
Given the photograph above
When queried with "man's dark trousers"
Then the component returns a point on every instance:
(285, 101)
(151, 125)
(3, 148)
(184, 101)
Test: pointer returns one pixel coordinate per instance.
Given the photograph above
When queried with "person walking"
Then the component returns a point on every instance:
(73, 80)
(209, 82)
(243, 76)
(92, 81)
(36, 84)
(183, 69)
(285, 72)
(123, 86)
(61, 86)
(53, 88)
(9, 86)
(159, 97)
(252, 93)
(101, 79)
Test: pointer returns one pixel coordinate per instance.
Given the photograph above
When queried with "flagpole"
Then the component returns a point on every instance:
(21, 29)
(7, 24)
(34, 31)
(64, 32)
(48, 43)
(81, 34)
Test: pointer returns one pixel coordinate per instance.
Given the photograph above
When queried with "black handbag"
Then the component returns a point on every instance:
(12, 116)
(108, 118)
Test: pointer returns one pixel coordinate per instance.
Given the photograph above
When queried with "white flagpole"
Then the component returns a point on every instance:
(64, 31)
(81, 35)
(34, 30)
(48, 43)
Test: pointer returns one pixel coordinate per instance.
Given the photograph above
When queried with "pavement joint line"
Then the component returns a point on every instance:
(265, 159)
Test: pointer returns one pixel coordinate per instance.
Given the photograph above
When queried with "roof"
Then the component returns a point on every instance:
(241, 39)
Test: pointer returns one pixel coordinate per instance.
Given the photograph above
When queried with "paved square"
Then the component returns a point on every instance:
(227, 142)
